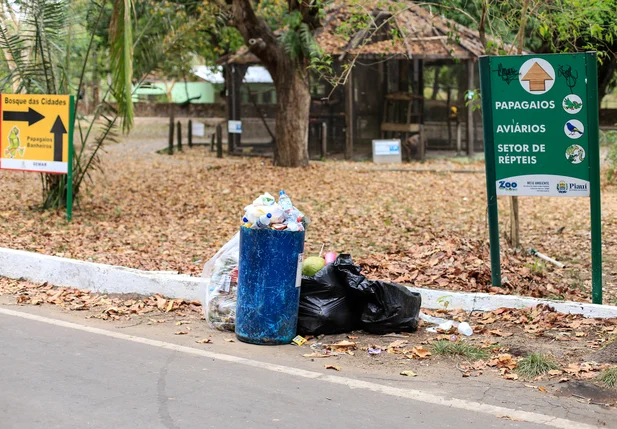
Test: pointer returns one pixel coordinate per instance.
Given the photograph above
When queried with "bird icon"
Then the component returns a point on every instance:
(573, 129)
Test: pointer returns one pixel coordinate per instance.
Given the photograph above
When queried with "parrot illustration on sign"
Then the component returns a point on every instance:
(14, 144)
(573, 129)
(571, 104)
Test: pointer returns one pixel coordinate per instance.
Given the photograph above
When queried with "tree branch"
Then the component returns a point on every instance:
(260, 39)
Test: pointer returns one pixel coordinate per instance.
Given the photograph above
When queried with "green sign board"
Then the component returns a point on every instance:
(540, 118)
(540, 139)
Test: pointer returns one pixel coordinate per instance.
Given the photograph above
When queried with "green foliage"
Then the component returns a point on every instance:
(121, 55)
(47, 49)
(34, 47)
(444, 301)
(458, 348)
(609, 139)
(609, 377)
(298, 40)
(536, 364)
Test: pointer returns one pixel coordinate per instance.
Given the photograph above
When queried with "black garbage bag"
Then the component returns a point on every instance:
(390, 307)
(340, 299)
(324, 305)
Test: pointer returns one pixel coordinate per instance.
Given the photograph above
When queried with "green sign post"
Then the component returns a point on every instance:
(540, 115)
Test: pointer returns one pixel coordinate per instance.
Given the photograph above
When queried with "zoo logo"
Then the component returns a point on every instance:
(562, 187)
(508, 186)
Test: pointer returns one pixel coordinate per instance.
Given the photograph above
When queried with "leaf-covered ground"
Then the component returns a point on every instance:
(420, 224)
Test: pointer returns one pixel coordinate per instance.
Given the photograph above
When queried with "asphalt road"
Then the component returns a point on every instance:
(53, 377)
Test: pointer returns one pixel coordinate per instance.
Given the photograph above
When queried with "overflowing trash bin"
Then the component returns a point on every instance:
(268, 285)
(270, 270)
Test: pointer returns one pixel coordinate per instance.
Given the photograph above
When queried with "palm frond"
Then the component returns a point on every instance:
(121, 55)
(107, 132)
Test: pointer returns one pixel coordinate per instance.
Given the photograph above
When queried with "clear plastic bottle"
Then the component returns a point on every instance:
(263, 222)
(285, 201)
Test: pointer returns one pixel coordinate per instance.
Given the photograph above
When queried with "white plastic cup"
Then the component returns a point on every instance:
(465, 329)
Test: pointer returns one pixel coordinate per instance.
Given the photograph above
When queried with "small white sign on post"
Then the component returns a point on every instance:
(234, 127)
(388, 151)
(198, 129)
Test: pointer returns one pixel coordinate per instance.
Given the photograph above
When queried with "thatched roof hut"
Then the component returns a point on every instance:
(399, 38)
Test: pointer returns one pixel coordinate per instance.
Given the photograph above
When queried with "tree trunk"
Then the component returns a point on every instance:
(292, 88)
(294, 102)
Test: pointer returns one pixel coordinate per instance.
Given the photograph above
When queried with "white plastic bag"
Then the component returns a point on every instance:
(446, 325)
(220, 287)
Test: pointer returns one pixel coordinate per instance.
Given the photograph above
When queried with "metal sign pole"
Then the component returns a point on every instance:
(69, 178)
(489, 162)
(594, 176)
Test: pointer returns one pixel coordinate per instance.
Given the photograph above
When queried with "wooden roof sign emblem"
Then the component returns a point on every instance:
(537, 77)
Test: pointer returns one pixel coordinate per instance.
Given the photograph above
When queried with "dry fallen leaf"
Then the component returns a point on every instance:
(503, 360)
(229, 340)
(182, 332)
(342, 346)
(317, 355)
(499, 333)
(510, 376)
(510, 418)
(397, 344)
(408, 373)
(541, 389)
(421, 352)
(555, 372)
(336, 368)
(182, 322)
(204, 341)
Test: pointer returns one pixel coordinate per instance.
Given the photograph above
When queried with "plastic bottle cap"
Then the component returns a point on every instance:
(269, 215)
(245, 220)
(282, 192)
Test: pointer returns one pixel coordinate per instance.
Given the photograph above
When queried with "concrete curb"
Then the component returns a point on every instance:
(103, 278)
(477, 301)
(39, 268)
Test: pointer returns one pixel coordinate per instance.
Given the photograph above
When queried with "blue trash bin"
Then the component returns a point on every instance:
(269, 274)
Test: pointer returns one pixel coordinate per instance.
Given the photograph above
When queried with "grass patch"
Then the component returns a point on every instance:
(609, 377)
(536, 364)
(458, 348)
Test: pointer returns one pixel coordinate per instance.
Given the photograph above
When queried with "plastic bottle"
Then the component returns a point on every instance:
(263, 222)
(285, 201)
(293, 226)
(465, 329)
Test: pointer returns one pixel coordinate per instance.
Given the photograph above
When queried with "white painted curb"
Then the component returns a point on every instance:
(477, 301)
(103, 278)
(17, 264)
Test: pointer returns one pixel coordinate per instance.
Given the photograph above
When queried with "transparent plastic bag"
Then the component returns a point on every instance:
(221, 286)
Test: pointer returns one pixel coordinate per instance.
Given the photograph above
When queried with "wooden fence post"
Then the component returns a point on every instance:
(219, 141)
(179, 137)
(170, 151)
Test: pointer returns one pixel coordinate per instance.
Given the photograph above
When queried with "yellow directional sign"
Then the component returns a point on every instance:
(34, 132)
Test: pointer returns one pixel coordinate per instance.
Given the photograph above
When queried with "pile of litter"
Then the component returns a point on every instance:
(266, 213)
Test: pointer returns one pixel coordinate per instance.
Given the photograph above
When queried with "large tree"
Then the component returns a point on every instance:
(288, 71)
